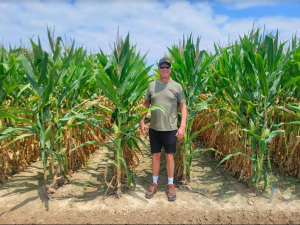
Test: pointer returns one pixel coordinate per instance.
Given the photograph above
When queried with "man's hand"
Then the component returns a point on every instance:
(180, 133)
(142, 123)
(143, 127)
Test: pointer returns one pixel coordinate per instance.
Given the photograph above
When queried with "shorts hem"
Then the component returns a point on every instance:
(163, 130)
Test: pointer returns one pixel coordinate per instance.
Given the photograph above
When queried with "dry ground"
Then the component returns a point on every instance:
(216, 197)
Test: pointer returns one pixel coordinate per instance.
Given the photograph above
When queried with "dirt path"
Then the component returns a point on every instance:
(216, 198)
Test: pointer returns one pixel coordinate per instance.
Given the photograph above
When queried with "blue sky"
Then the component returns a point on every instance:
(153, 24)
(286, 9)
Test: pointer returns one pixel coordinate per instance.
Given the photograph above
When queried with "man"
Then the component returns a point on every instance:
(163, 128)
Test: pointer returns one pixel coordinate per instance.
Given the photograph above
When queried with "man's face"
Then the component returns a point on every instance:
(164, 72)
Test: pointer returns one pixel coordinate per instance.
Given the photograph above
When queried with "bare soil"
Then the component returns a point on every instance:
(215, 198)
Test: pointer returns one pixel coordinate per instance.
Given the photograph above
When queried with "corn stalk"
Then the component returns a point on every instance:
(189, 68)
(123, 79)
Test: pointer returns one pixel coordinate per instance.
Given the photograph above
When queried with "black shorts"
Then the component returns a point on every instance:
(162, 138)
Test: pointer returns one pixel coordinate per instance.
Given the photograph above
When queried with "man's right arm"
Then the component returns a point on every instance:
(142, 123)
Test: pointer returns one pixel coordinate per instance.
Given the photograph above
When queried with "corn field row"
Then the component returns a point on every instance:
(58, 107)
(255, 107)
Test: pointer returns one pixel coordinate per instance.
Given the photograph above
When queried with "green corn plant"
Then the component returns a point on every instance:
(123, 79)
(248, 77)
(13, 91)
(291, 69)
(189, 68)
(56, 86)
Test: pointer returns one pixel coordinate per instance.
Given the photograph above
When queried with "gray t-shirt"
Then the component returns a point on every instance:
(168, 95)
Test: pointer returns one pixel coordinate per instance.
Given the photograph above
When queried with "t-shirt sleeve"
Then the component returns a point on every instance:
(181, 97)
(148, 95)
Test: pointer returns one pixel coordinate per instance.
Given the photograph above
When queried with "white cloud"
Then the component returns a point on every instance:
(286, 26)
(153, 25)
(220, 19)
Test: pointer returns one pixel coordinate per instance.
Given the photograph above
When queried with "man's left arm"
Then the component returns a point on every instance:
(181, 130)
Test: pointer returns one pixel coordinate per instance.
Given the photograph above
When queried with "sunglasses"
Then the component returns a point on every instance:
(163, 67)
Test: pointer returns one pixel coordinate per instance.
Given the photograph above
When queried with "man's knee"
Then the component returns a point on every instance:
(169, 156)
(156, 155)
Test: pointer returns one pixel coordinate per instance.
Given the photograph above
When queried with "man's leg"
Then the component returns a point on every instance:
(170, 166)
(170, 170)
(169, 142)
(155, 144)
(156, 163)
